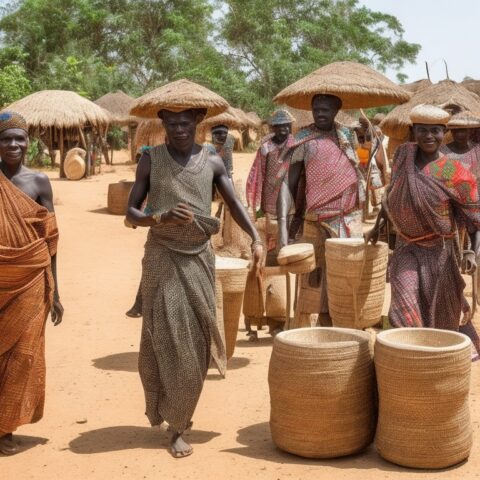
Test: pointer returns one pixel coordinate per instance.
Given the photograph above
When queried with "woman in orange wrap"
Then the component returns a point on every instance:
(28, 286)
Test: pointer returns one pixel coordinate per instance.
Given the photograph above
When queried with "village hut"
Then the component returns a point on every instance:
(447, 94)
(417, 86)
(63, 120)
(118, 104)
(148, 134)
(358, 86)
(471, 85)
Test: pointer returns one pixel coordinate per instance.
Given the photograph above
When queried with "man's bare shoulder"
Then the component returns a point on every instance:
(216, 162)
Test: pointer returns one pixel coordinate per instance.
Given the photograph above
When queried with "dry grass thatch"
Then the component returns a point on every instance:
(472, 86)
(149, 133)
(446, 93)
(177, 96)
(230, 117)
(118, 104)
(356, 84)
(59, 109)
(255, 120)
(417, 86)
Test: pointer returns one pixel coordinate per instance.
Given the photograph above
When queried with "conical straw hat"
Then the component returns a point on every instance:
(357, 85)
(464, 120)
(229, 117)
(178, 96)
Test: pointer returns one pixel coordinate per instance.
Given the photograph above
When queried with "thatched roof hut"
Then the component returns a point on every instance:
(149, 133)
(118, 104)
(417, 86)
(177, 96)
(446, 94)
(472, 86)
(232, 118)
(358, 86)
(255, 120)
(60, 117)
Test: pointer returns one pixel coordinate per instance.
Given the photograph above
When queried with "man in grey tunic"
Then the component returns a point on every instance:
(180, 334)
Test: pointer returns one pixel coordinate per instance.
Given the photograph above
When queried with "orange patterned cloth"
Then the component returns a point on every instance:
(28, 239)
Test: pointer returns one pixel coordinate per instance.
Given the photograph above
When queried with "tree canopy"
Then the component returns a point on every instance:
(245, 50)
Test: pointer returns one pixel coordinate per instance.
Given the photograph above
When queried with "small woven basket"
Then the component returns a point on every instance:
(231, 274)
(423, 380)
(74, 165)
(118, 194)
(356, 277)
(322, 392)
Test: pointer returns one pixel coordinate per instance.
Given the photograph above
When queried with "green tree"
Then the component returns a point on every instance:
(13, 84)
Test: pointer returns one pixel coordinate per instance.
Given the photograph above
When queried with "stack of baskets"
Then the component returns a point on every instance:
(356, 276)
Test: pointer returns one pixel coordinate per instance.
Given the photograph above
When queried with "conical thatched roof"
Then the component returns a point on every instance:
(445, 94)
(417, 86)
(229, 117)
(356, 84)
(149, 133)
(59, 109)
(177, 96)
(118, 104)
(255, 120)
(472, 86)
(303, 118)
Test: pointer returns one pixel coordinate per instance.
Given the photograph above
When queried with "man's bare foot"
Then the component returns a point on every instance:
(179, 448)
(8, 446)
(134, 312)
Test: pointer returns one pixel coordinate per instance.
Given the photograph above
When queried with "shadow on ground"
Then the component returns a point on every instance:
(233, 364)
(112, 439)
(26, 442)
(121, 362)
(102, 210)
(257, 443)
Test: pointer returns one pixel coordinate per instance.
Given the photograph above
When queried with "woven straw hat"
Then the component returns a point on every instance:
(429, 115)
(357, 85)
(176, 97)
(229, 118)
(464, 120)
(281, 116)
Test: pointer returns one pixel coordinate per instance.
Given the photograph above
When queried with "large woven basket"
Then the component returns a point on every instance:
(423, 380)
(356, 277)
(118, 194)
(322, 392)
(231, 274)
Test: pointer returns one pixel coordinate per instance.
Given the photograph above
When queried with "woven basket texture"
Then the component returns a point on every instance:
(423, 380)
(275, 296)
(322, 392)
(356, 277)
(117, 200)
(231, 274)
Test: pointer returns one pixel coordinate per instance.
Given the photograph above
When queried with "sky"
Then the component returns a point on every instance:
(446, 29)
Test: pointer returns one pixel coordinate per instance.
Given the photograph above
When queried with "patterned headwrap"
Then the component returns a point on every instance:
(10, 119)
(281, 117)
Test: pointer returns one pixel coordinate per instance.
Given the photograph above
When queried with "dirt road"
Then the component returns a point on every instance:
(94, 426)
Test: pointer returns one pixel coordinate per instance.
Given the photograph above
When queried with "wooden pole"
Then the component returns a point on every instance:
(62, 157)
(82, 138)
(131, 135)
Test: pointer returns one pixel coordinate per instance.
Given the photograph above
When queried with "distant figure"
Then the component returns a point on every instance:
(28, 281)
(223, 143)
(180, 333)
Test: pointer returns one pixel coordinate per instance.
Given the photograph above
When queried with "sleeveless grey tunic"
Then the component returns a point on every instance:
(180, 333)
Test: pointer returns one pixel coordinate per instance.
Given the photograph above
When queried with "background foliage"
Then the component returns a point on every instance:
(245, 50)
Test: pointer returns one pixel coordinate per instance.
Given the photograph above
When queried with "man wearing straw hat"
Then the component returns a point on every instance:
(223, 144)
(324, 154)
(262, 190)
(430, 199)
(28, 281)
(180, 333)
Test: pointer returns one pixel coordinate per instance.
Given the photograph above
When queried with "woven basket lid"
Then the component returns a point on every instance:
(357, 85)
(295, 253)
(178, 96)
(464, 120)
(429, 115)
